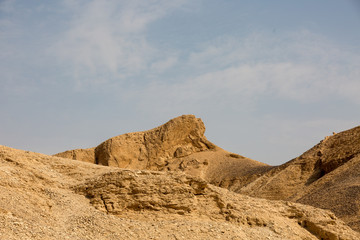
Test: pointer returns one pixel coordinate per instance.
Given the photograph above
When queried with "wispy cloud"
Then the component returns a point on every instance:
(109, 60)
(107, 39)
(299, 66)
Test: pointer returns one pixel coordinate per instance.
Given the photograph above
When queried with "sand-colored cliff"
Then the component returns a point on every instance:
(326, 176)
(45, 197)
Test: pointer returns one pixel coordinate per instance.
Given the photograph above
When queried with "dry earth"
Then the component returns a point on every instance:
(179, 144)
(45, 197)
(327, 176)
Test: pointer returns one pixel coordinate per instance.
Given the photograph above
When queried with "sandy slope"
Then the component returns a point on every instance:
(326, 176)
(178, 145)
(46, 197)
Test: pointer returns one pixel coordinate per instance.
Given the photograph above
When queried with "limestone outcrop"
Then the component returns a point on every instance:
(178, 145)
(46, 197)
(326, 176)
(153, 149)
(85, 155)
(150, 149)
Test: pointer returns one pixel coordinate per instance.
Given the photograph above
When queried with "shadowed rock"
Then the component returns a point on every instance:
(85, 155)
(178, 145)
(46, 197)
(326, 176)
(151, 149)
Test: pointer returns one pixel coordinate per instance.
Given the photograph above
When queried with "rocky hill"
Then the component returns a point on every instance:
(178, 145)
(327, 176)
(46, 197)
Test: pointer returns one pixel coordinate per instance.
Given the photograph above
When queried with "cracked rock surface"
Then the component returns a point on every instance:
(326, 176)
(45, 197)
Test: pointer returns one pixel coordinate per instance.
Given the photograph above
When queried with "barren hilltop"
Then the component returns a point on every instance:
(178, 145)
(170, 182)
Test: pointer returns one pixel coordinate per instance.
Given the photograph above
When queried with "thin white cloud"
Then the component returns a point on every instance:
(109, 38)
(245, 78)
(162, 65)
(300, 66)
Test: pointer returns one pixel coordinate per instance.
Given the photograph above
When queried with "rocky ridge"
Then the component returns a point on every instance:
(326, 176)
(150, 149)
(85, 155)
(45, 197)
(178, 145)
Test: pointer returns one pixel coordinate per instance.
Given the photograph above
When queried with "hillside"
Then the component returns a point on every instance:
(178, 145)
(326, 176)
(45, 197)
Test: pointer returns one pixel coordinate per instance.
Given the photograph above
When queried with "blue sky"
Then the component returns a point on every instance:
(270, 79)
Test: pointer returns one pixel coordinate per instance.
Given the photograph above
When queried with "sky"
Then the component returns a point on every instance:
(269, 79)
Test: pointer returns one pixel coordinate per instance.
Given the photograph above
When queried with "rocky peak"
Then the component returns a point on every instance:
(178, 145)
(153, 149)
(336, 150)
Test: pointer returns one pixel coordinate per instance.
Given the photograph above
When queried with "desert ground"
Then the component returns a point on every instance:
(170, 182)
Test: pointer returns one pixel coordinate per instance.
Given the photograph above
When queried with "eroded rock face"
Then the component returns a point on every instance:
(336, 150)
(288, 180)
(85, 155)
(178, 145)
(127, 192)
(46, 197)
(326, 176)
(153, 149)
(118, 192)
